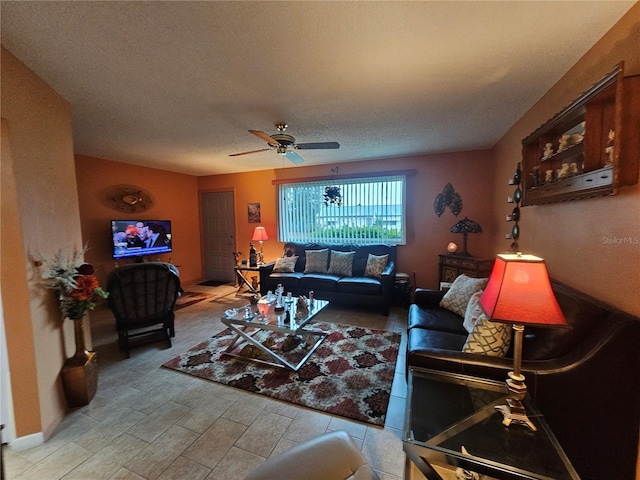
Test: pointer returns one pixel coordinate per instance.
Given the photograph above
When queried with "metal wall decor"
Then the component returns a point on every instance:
(448, 198)
(127, 198)
(332, 196)
(515, 213)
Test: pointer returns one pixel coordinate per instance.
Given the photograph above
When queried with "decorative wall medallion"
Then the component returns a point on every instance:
(448, 198)
(128, 198)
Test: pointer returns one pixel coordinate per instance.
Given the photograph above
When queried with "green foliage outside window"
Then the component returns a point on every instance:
(369, 232)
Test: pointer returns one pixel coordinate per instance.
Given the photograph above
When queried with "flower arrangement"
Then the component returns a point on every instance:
(73, 281)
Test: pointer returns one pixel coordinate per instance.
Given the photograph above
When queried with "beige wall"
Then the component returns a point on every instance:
(45, 208)
(175, 198)
(572, 236)
(470, 173)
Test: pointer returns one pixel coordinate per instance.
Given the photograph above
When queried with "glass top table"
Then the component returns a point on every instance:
(250, 320)
(451, 422)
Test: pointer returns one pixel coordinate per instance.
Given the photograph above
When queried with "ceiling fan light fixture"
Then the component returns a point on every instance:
(285, 144)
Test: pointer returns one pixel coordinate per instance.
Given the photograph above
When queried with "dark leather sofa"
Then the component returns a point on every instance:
(355, 290)
(585, 380)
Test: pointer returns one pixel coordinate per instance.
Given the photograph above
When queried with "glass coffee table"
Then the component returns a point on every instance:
(250, 320)
(451, 422)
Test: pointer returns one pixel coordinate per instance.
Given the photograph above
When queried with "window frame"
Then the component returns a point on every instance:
(380, 215)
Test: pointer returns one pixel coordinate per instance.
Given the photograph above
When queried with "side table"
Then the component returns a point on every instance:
(447, 413)
(452, 265)
(241, 274)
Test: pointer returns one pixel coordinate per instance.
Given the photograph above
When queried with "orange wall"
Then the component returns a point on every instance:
(15, 300)
(571, 236)
(46, 211)
(175, 198)
(470, 173)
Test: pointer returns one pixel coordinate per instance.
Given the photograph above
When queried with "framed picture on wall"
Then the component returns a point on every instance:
(253, 212)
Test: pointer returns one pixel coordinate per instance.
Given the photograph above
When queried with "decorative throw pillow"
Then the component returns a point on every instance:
(488, 338)
(317, 261)
(285, 264)
(375, 265)
(457, 297)
(474, 311)
(341, 263)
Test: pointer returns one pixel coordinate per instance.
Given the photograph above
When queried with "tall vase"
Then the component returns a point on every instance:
(80, 372)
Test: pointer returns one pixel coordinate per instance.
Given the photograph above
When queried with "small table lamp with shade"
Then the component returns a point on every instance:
(466, 226)
(519, 292)
(260, 235)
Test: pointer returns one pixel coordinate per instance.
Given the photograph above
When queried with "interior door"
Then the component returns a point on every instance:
(218, 235)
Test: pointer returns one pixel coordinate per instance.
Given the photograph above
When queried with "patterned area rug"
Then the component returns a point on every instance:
(350, 374)
(189, 298)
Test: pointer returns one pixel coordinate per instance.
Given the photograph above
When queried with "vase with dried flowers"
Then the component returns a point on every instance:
(77, 291)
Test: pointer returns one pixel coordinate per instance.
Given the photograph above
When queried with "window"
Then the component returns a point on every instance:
(353, 210)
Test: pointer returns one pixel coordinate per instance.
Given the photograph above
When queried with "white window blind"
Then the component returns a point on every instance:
(367, 210)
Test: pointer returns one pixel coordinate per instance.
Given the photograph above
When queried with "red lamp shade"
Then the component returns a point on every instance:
(260, 234)
(519, 291)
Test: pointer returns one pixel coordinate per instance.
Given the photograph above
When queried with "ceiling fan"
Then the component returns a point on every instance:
(286, 145)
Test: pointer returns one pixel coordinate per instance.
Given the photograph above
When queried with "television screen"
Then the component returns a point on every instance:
(134, 238)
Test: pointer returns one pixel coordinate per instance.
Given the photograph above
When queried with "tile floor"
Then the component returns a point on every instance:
(147, 422)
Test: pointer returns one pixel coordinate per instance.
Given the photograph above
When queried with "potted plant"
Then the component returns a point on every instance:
(77, 291)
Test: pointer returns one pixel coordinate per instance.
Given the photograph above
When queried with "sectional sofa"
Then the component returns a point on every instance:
(585, 380)
(333, 280)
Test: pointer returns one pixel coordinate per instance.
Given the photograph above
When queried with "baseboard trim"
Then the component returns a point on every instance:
(28, 441)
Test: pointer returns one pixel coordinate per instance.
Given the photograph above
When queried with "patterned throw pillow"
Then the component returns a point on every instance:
(375, 265)
(457, 297)
(474, 311)
(285, 264)
(317, 261)
(488, 338)
(341, 263)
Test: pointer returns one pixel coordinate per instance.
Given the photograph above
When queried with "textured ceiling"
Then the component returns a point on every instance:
(176, 85)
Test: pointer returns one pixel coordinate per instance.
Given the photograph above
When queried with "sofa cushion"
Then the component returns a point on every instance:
(360, 285)
(285, 264)
(474, 311)
(457, 297)
(420, 339)
(437, 319)
(317, 261)
(319, 281)
(488, 338)
(289, 281)
(375, 265)
(341, 263)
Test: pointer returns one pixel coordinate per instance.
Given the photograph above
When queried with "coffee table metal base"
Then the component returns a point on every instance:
(311, 338)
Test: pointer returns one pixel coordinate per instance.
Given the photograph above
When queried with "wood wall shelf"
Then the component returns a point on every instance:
(588, 149)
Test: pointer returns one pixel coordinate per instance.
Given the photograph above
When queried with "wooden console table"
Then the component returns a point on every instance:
(452, 265)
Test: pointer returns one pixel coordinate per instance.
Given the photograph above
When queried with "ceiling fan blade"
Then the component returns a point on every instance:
(294, 157)
(264, 137)
(247, 153)
(317, 145)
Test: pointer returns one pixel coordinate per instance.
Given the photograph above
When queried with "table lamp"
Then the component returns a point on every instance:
(519, 292)
(260, 235)
(466, 226)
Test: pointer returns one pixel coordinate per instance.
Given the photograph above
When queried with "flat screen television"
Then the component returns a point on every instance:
(135, 238)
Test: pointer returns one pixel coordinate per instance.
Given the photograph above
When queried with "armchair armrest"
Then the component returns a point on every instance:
(427, 298)
(264, 271)
(388, 277)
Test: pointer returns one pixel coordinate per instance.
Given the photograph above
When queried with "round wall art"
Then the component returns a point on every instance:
(127, 198)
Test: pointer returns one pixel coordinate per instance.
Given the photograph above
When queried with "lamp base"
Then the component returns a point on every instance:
(514, 412)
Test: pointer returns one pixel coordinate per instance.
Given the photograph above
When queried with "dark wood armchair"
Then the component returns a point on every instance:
(143, 295)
